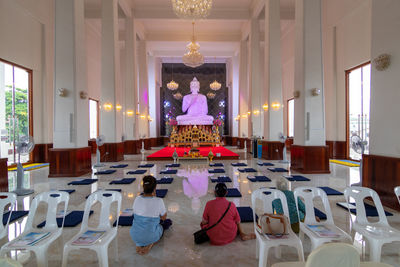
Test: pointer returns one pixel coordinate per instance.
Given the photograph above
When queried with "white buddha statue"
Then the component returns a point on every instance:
(196, 106)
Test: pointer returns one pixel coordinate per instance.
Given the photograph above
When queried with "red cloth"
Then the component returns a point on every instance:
(226, 230)
(167, 152)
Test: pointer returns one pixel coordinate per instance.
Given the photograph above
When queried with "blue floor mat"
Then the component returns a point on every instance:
(169, 172)
(330, 191)
(161, 193)
(123, 181)
(216, 171)
(277, 170)
(124, 221)
(258, 178)
(297, 178)
(370, 210)
(148, 165)
(109, 189)
(239, 164)
(247, 170)
(221, 179)
(217, 164)
(137, 172)
(173, 165)
(83, 182)
(72, 219)
(15, 215)
(265, 164)
(165, 181)
(105, 172)
(119, 166)
(233, 192)
(246, 214)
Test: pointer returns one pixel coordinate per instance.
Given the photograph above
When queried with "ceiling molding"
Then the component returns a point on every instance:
(126, 7)
(184, 37)
(211, 55)
(168, 13)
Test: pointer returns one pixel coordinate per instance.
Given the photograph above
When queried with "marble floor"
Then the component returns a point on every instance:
(185, 201)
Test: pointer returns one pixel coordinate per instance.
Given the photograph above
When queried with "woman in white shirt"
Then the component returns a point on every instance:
(150, 217)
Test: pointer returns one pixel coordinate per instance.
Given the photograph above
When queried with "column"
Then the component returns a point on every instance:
(129, 100)
(272, 95)
(71, 155)
(309, 153)
(256, 90)
(143, 97)
(381, 166)
(243, 91)
(152, 96)
(110, 113)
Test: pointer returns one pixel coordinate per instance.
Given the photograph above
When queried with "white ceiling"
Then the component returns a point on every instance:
(167, 36)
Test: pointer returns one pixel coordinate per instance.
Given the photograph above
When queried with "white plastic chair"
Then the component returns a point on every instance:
(53, 199)
(106, 198)
(397, 192)
(376, 233)
(263, 243)
(333, 255)
(309, 194)
(5, 200)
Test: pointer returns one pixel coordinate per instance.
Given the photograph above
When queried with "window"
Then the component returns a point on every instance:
(290, 118)
(358, 105)
(93, 118)
(15, 109)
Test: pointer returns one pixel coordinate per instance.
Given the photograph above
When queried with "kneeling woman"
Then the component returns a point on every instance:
(229, 227)
(150, 217)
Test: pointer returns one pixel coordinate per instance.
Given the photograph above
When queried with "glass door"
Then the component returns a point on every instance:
(358, 107)
(14, 109)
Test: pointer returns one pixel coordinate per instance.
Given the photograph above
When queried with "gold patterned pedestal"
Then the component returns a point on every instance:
(194, 136)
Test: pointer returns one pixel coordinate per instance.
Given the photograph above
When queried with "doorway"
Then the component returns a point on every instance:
(358, 87)
(15, 109)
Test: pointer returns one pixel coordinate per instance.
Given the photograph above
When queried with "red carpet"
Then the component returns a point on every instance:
(166, 153)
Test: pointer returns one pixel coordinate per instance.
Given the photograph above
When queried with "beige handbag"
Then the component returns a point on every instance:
(273, 224)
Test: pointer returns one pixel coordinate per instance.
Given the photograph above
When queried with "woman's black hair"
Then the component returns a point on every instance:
(220, 190)
(149, 184)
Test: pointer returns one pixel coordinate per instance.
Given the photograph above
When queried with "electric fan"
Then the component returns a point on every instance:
(99, 142)
(24, 146)
(358, 145)
(282, 139)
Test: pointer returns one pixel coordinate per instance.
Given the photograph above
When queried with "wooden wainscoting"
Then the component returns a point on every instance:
(234, 141)
(112, 152)
(289, 143)
(382, 174)
(130, 147)
(40, 153)
(92, 144)
(337, 149)
(73, 162)
(309, 159)
(3, 175)
(272, 150)
(227, 140)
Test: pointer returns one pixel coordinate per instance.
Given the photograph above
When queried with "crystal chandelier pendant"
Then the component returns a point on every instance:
(215, 85)
(172, 85)
(193, 58)
(210, 95)
(192, 9)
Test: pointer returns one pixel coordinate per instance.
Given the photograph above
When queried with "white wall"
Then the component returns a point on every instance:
(26, 30)
(93, 57)
(385, 91)
(352, 21)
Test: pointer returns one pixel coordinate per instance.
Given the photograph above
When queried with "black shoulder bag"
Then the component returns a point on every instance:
(201, 235)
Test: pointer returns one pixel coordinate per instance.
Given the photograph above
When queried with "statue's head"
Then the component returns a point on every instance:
(195, 86)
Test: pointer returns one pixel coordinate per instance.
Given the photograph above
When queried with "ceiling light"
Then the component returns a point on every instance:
(192, 9)
(193, 58)
(172, 85)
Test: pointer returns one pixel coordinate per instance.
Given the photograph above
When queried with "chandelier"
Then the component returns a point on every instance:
(172, 85)
(193, 58)
(192, 9)
(215, 85)
(177, 96)
(210, 95)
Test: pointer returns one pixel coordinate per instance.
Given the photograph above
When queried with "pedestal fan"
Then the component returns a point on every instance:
(358, 145)
(282, 138)
(99, 142)
(24, 146)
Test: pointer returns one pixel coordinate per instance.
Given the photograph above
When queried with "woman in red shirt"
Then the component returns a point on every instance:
(229, 227)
